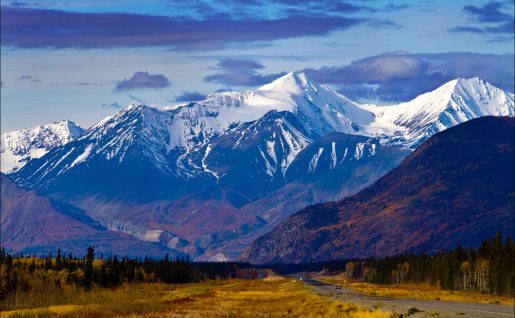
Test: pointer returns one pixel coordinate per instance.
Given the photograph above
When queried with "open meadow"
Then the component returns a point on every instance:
(274, 297)
(423, 291)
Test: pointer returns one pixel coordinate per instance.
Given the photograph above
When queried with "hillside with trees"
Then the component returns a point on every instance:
(457, 188)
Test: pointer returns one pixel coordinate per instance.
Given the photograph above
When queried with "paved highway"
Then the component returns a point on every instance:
(429, 308)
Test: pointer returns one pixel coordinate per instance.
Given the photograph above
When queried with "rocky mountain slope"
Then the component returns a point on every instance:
(32, 223)
(456, 188)
(453, 103)
(242, 160)
(19, 147)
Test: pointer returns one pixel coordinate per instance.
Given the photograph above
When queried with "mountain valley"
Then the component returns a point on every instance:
(208, 178)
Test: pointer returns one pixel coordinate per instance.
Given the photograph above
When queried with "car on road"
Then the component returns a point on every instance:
(338, 286)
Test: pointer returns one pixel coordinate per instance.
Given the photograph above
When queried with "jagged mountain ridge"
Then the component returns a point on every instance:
(184, 129)
(152, 171)
(319, 109)
(345, 165)
(456, 188)
(173, 146)
(453, 103)
(112, 159)
(240, 167)
(19, 147)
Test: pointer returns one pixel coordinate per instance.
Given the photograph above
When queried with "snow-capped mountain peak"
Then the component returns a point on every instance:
(454, 102)
(320, 109)
(19, 147)
(293, 83)
(262, 153)
(133, 104)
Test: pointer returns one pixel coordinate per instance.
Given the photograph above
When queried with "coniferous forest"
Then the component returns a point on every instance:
(21, 274)
(487, 269)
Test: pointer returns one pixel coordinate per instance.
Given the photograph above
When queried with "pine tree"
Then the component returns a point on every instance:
(58, 261)
(88, 267)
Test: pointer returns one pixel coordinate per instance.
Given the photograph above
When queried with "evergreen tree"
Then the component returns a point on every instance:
(58, 261)
(88, 267)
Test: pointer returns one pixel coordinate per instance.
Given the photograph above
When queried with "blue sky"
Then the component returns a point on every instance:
(83, 60)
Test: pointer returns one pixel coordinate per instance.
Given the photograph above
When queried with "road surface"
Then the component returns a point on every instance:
(428, 308)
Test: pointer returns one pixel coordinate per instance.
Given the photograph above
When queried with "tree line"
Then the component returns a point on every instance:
(20, 273)
(487, 269)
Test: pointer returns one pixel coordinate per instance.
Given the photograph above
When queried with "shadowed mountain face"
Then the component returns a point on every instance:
(19, 147)
(32, 223)
(207, 178)
(456, 188)
(202, 201)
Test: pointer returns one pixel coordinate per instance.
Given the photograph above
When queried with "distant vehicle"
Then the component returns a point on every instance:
(338, 286)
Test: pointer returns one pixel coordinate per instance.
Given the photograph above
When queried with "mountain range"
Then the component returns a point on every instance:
(207, 178)
(17, 148)
(32, 223)
(456, 188)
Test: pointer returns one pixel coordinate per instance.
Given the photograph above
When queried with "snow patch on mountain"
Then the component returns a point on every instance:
(359, 151)
(204, 164)
(142, 232)
(455, 102)
(321, 109)
(219, 257)
(295, 143)
(269, 168)
(344, 155)
(333, 155)
(82, 156)
(252, 143)
(314, 160)
(19, 147)
(185, 128)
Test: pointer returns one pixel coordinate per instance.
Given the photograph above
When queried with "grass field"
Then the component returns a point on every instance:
(418, 291)
(233, 298)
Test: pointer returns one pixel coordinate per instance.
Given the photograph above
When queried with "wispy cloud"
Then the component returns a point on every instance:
(29, 78)
(113, 105)
(250, 9)
(490, 12)
(44, 28)
(381, 24)
(396, 77)
(487, 19)
(24, 4)
(236, 72)
(143, 80)
(221, 90)
(189, 97)
(390, 77)
(238, 65)
(395, 7)
(98, 83)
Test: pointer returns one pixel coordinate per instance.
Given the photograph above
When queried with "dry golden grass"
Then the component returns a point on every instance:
(271, 276)
(42, 312)
(235, 298)
(418, 291)
(128, 300)
(277, 298)
(40, 261)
